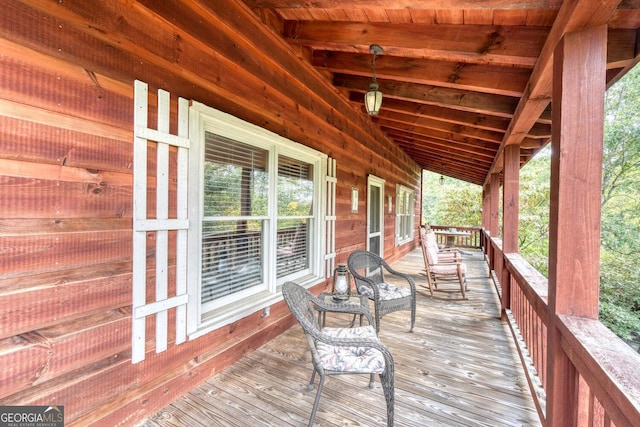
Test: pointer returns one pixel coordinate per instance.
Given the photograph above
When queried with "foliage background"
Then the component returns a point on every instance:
(456, 203)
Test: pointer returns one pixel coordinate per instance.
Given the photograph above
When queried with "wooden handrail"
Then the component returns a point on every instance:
(473, 241)
(606, 367)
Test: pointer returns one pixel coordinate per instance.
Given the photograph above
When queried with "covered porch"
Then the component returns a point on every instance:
(460, 367)
(105, 311)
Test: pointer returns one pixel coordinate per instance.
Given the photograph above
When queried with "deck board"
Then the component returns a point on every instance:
(458, 368)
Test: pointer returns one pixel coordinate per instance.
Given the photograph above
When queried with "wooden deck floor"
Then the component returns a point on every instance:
(459, 368)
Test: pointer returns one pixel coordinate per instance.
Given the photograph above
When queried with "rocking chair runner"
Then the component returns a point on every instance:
(442, 266)
(336, 351)
(368, 271)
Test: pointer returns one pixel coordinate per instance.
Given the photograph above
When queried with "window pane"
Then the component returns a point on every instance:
(295, 204)
(293, 246)
(295, 187)
(374, 213)
(231, 257)
(235, 178)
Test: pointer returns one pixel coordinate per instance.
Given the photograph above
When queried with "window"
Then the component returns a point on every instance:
(258, 222)
(404, 214)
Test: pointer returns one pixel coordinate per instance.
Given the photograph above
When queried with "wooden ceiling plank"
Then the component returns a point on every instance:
(399, 16)
(475, 120)
(426, 125)
(477, 102)
(459, 170)
(481, 152)
(510, 17)
(478, 17)
(449, 159)
(450, 16)
(429, 140)
(376, 15)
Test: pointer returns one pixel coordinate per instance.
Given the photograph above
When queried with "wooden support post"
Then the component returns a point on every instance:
(485, 220)
(486, 209)
(510, 206)
(494, 200)
(510, 196)
(574, 228)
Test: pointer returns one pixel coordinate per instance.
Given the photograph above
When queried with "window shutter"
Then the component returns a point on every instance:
(330, 217)
(161, 225)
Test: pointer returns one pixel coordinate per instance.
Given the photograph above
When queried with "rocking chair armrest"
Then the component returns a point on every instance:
(447, 264)
(450, 261)
(448, 250)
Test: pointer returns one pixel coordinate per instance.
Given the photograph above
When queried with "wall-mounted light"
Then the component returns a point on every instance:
(373, 98)
(441, 179)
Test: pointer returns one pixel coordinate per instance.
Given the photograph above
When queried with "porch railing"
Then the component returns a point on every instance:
(472, 240)
(604, 371)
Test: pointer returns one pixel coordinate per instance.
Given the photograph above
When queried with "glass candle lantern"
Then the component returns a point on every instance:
(341, 282)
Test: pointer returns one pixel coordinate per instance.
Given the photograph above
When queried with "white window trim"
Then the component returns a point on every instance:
(203, 118)
(375, 181)
(400, 238)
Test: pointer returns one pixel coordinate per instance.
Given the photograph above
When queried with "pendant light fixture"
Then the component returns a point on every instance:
(373, 98)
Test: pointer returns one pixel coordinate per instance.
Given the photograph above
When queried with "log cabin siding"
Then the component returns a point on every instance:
(66, 153)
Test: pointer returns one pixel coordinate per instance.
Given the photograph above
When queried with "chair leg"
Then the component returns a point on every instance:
(388, 388)
(372, 381)
(313, 378)
(462, 283)
(317, 400)
(429, 282)
(413, 315)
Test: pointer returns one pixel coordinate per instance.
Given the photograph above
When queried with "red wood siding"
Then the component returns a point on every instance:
(66, 121)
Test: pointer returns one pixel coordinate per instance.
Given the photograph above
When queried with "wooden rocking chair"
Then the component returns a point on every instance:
(442, 266)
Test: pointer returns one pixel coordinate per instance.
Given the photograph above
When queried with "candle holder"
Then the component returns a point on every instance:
(341, 288)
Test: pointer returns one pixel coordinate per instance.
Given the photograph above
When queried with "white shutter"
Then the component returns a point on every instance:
(161, 139)
(330, 217)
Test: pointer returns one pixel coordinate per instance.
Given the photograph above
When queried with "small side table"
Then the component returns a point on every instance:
(356, 305)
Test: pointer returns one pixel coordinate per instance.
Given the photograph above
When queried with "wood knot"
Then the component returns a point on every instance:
(494, 40)
(97, 188)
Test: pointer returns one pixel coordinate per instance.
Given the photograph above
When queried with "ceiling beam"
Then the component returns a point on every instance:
(475, 102)
(406, 4)
(573, 15)
(507, 81)
(515, 46)
(430, 124)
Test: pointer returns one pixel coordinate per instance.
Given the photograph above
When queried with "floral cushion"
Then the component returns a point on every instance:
(351, 359)
(387, 291)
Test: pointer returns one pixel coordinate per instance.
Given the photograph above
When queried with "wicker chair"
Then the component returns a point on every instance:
(336, 351)
(368, 271)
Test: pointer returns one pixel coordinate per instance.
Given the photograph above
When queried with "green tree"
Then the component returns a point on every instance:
(456, 203)
(619, 262)
(533, 226)
(450, 202)
(620, 227)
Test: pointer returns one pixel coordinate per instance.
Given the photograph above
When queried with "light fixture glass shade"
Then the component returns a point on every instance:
(373, 100)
